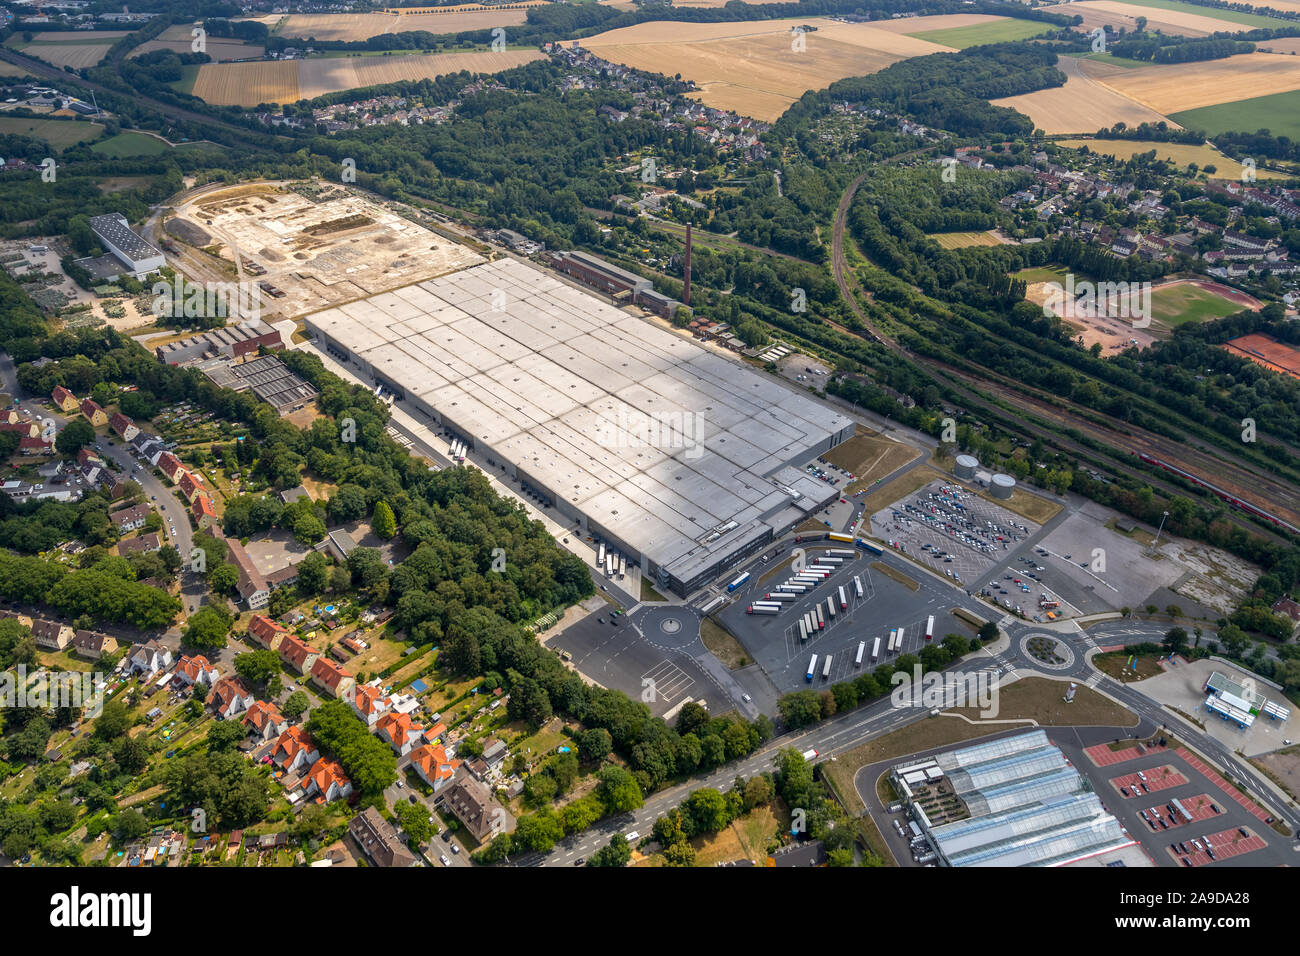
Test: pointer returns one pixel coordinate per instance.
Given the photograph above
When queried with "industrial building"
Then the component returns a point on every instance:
(1015, 801)
(677, 458)
(268, 377)
(231, 341)
(116, 234)
(1239, 703)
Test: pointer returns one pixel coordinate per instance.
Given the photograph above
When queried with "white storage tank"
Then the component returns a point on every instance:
(965, 467)
(1002, 486)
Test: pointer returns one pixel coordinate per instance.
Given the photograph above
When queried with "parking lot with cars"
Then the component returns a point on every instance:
(951, 530)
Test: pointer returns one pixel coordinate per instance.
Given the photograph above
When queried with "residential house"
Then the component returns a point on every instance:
(93, 645)
(401, 732)
(52, 635)
(252, 584)
(197, 670)
(169, 465)
(370, 704)
(148, 659)
(266, 633)
(64, 400)
(379, 841)
(327, 782)
(230, 697)
(298, 654)
(138, 545)
(188, 485)
(473, 805)
(332, 679)
(130, 519)
(294, 750)
(264, 721)
(495, 753)
(93, 412)
(205, 516)
(434, 767)
(123, 425)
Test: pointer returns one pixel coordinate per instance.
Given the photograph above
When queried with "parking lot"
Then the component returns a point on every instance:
(951, 530)
(886, 605)
(1238, 834)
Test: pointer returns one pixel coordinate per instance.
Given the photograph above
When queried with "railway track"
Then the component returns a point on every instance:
(1260, 491)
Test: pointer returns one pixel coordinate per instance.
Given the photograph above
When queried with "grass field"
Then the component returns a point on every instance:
(1279, 113)
(78, 55)
(1204, 155)
(1214, 13)
(963, 240)
(1042, 274)
(58, 133)
(758, 68)
(1002, 31)
(131, 144)
(870, 455)
(1120, 61)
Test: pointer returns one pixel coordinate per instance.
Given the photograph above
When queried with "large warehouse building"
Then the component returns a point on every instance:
(1015, 801)
(678, 458)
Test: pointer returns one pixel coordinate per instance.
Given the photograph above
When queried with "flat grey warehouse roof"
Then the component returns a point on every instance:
(679, 452)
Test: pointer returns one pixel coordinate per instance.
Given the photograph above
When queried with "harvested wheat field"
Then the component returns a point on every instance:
(317, 77)
(1083, 104)
(1188, 86)
(1286, 45)
(947, 21)
(1115, 14)
(63, 36)
(79, 56)
(247, 84)
(1181, 153)
(180, 39)
(362, 26)
(755, 68)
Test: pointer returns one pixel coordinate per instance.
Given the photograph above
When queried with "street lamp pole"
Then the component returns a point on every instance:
(1155, 544)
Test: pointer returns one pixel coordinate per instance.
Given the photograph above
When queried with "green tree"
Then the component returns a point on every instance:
(76, 435)
(384, 521)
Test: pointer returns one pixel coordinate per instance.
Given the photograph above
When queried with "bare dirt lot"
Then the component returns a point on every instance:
(1085, 103)
(321, 253)
(758, 68)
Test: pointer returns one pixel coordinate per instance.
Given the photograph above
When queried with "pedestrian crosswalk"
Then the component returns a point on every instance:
(1094, 680)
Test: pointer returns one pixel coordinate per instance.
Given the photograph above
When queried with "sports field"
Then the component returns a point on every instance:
(1278, 113)
(1176, 303)
(1083, 104)
(758, 68)
(1267, 351)
(1225, 167)
(964, 240)
(999, 31)
(58, 133)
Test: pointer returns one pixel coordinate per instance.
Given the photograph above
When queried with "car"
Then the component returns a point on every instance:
(445, 861)
(1163, 825)
(446, 836)
(1124, 790)
(579, 861)
(401, 784)
(746, 698)
(411, 798)
(266, 759)
(455, 848)
(602, 620)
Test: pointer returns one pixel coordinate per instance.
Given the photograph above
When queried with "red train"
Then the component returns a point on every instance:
(1226, 496)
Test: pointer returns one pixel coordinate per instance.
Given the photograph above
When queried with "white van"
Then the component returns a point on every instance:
(631, 836)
